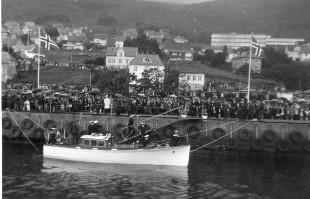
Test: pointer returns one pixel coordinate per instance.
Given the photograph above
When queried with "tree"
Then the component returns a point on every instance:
(100, 61)
(218, 59)
(171, 82)
(112, 81)
(24, 38)
(150, 81)
(144, 44)
(272, 57)
(52, 32)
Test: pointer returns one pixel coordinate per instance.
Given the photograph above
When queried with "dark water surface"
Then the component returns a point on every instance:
(27, 175)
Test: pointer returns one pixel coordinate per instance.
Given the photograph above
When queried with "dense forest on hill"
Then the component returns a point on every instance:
(280, 18)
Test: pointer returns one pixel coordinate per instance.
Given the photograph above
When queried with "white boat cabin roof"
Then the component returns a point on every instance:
(96, 137)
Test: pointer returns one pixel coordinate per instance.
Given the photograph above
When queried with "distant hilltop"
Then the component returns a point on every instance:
(179, 1)
(280, 18)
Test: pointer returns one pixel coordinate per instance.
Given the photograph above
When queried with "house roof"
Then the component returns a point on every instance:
(100, 36)
(129, 51)
(177, 47)
(75, 39)
(141, 59)
(244, 56)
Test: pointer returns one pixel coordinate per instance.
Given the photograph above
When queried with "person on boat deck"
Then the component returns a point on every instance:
(175, 138)
(143, 128)
(90, 127)
(145, 140)
(54, 136)
(130, 125)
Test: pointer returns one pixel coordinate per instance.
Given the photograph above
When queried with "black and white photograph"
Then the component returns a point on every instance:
(155, 99)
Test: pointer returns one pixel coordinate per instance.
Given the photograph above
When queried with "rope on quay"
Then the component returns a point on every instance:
(34, 146)
(39, 125)
(225, 124)
(220, 138)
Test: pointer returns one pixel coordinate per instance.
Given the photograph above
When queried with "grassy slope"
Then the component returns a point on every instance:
(67, 76)
(52, 75)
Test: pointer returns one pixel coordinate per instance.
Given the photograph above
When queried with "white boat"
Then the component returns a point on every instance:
(96, 149)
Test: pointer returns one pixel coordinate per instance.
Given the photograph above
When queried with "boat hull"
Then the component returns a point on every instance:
(174, 156)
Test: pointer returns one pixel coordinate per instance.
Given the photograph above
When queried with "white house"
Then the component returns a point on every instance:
(100, 39)
(119, 57)
(145, 62)
(299, 53)
(180, 39)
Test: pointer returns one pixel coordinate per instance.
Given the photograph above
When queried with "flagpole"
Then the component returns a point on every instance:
(250, 65)
(39, 46)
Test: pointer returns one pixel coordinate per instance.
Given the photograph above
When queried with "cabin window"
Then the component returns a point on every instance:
(93, 143)
(86, 142)
(100, 143)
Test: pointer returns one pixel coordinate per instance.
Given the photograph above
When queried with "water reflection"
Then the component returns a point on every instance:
(27, 175)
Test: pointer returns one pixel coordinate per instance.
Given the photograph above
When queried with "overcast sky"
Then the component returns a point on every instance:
(181, 1)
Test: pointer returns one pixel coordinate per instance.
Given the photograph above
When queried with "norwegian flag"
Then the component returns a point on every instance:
(256, 46)
(48, 42)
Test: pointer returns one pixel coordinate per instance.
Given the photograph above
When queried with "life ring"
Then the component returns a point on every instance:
(231, 144)
(15, 132)
(127, 134)
(168, 131)
(49, 124)
(218, 132)
(306, 146)
(257, 144)
(283, 145)
(38, 133)
(193, 132)
(270, 136)
(6, 123)
(296, 137)
(244, 134)
(27, 124)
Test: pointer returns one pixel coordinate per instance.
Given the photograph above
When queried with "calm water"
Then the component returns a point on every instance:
(27, 175)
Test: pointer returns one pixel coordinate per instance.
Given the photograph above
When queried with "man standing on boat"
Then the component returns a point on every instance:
(175, 138)
(130, 125)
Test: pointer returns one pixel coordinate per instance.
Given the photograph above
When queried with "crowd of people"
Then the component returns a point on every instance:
(212, 105)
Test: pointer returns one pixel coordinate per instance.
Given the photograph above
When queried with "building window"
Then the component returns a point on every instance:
(194, 77)
(113, 60)
(120, 54)
(120, 60)
(147, 60)
(196, 85)
(109, 60)
(199, 77)
(188, 77)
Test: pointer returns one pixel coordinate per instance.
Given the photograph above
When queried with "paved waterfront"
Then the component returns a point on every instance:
(27, 175)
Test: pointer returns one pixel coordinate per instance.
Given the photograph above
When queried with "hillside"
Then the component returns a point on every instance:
(281, 18)
(52, 75)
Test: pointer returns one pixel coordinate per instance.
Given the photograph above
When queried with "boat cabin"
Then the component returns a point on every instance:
(95, 141)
